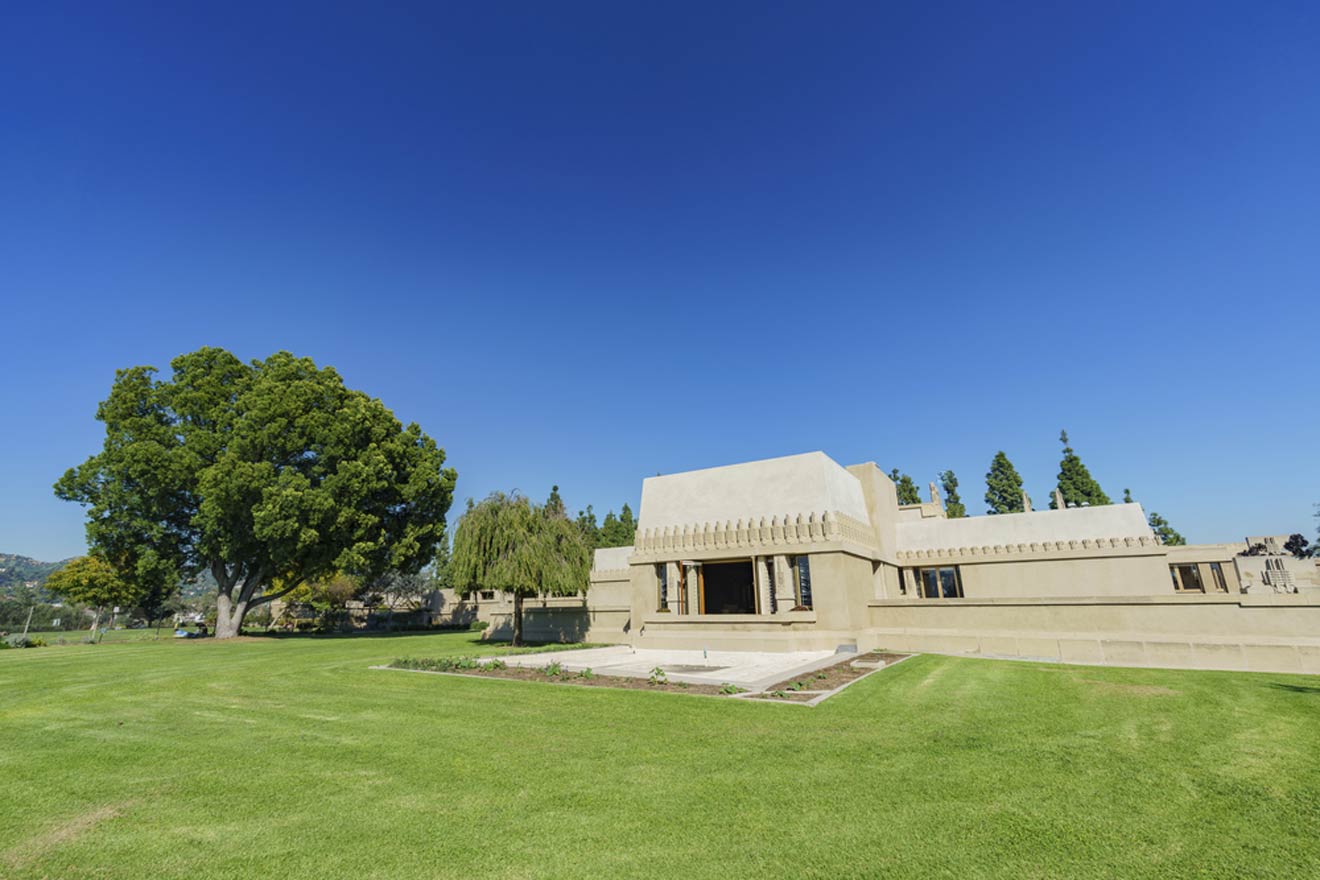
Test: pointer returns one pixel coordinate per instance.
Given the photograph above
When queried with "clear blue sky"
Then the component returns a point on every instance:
(583, 244)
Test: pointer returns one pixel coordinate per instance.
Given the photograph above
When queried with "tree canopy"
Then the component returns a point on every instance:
(907, 489)
(953, 505)
(1297, 545)
(1075, 481)
(588, 527)
(258, 472)
(1003, 486)
(92, 580)
(509, 544)
(618, 531)
(1165, 532)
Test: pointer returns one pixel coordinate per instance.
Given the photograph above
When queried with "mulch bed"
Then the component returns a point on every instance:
(811, 685)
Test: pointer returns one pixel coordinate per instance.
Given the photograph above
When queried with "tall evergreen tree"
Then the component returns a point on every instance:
(627, 526)
(588, 528)
(907, 490)
(953, 506)
(1165, 532)
(1003, 486)
(1075, 481)
(554, 505)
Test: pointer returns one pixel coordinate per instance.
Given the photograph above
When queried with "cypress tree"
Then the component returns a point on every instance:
(1003, 486)
(953, 506)
(1075, 481)
(907, 490)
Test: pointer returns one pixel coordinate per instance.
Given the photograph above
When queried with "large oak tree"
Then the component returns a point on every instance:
(260, 473)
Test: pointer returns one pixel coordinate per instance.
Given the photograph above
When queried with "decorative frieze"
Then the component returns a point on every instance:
(754, 533)
(1034, 548)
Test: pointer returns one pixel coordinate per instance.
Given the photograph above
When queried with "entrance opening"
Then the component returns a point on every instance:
(728, 588)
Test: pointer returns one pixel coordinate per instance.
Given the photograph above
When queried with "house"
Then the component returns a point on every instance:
(802, 553)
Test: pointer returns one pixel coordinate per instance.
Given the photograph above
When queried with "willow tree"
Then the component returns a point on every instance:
(264, 473)
(506, 543)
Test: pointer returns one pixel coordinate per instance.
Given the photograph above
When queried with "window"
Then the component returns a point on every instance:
(940, 583)
(662, 575)
(487, 595)
(1218, 571)
(1186, 579)
(801, 566)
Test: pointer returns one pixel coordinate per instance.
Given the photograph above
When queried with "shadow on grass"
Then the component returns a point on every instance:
(1295, 688)
(366, 634)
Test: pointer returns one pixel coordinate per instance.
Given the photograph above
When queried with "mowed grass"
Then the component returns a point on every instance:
(290, 758)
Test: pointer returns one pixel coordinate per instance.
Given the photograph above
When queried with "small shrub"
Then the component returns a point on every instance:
(587, 673)
(22, 641)
(553, 669)
(683, 684)
(795, 686)
(820, 676)
(658, 676)
(479, 625)
(727, 688)
(497, 663)
(439, 664)
(779, 695)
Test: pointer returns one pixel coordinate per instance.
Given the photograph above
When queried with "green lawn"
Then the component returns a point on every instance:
(290, 758)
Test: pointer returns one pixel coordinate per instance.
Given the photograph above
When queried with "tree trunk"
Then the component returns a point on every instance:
(517, 619)
(96, 621)
(228, 617)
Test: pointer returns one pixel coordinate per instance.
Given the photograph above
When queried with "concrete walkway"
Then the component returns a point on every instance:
(752, 670)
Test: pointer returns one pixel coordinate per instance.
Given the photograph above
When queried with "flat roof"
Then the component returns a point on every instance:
(811, 482)
(1071, 524)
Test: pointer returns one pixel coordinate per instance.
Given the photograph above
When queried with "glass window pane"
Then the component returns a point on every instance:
(930, 586)
(804, 580)
(949, 583)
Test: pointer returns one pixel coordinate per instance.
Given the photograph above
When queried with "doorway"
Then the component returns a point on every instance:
(728, 587)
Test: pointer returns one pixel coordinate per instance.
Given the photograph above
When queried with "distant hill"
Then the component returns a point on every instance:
(15, 571)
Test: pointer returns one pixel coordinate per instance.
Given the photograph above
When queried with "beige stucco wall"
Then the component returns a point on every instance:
(1279, 634)
(1086, 576)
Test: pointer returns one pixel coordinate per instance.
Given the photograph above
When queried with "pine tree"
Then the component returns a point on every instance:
(1003, 486)
(609, 530)
(1165, 532)
(627, 525)
(587, 527)
(1075, 481)
(907, 490)
(953, 506)
(554, 505)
